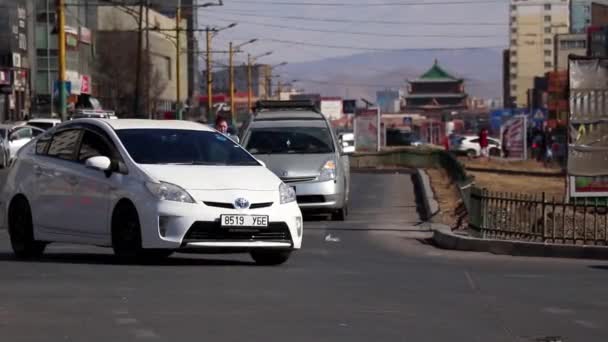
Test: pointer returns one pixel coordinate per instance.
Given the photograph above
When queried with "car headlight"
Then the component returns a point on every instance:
(328, 171)
(169, 192)
(287, 193)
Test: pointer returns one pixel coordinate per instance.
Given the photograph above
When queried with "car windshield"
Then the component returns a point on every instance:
(41, 125)
(189, 147)
(284, 140)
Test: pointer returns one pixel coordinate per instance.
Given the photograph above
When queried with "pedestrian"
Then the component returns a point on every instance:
(221, 125)
(483, 143)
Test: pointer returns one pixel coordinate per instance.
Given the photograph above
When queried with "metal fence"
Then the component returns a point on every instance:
(537, 218)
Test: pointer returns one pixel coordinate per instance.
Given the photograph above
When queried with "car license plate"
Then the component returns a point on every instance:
(244, 221)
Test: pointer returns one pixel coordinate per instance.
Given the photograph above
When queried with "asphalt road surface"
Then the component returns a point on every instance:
(372, 278)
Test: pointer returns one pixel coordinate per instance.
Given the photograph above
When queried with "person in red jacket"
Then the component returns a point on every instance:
(483, 143)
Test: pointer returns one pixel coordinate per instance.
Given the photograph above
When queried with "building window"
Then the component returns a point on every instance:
(548, 65)
(547, 30)
(513, 20)
(513, 64)
(548, 7)
(547, 52)
(513, 53)
(167, 62)
(513, 42)
(547, 41)
(514, 87)
(514, 30)
(547, 18)
(513, 76)
(513, 7)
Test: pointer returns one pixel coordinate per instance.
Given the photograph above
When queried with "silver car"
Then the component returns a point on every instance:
(297, 143)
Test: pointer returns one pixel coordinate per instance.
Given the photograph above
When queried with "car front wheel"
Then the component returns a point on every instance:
(21, 230)
(270, 258)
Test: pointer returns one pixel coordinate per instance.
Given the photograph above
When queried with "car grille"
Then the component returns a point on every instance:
(231, 206)
(201, 231)
(310, 199)
(298, 179)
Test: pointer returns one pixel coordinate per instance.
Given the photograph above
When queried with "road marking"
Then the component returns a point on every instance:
(586, 324)
(144, 333)
(470, 280)
(120, 312)
(329, 238)
(557, 311)
(125, 320)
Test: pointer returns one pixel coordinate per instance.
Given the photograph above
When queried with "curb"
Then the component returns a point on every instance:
(515, 172)
(422, 184)
(446, 239)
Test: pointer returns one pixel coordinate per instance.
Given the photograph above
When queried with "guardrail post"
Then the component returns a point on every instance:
(544, 218)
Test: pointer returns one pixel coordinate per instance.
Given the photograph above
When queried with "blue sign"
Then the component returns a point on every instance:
(67, 85)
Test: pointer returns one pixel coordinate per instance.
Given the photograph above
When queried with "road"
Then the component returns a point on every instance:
(372, 278)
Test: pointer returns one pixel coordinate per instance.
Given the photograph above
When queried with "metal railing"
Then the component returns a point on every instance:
(536, 218)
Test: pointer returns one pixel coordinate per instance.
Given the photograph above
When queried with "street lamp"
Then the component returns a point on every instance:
(250, 61)
(231, 50)
(210, 33)
(269, 77)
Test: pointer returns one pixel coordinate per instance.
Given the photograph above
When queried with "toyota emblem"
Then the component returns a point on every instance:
(241, 203)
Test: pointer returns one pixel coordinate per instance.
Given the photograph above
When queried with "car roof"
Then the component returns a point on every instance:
(118, 124)
(279, 115)
(289, 123)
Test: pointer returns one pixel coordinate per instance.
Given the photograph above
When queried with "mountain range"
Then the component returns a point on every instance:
(361, 75)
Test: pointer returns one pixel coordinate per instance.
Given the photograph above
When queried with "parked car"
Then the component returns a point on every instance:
(469, 145)
(147, 188)
(297, 143)
(397, 137)
(14, 138)
(44, 124)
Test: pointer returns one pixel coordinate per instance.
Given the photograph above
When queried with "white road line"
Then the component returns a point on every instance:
(470, 280)
(144, 333)
(125, 321)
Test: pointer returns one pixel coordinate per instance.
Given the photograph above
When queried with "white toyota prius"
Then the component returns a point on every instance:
(147, 189)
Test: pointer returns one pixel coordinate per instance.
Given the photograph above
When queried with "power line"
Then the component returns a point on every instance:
(361, 48)
(360, 33)
(349, 4)
(360, 21)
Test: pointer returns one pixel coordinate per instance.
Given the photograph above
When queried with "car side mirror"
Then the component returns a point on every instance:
(100, 163)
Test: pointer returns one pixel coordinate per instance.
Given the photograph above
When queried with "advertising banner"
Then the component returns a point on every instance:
(513, 137)
(588, 127)
(367, 131)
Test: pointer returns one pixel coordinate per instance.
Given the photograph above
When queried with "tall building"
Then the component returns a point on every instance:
(17, 59)
(585, 13)
(569, 44)
(80, 46)
(117, 32)
(190, 14)
(533, 26)
(507, 99)
(436, 91)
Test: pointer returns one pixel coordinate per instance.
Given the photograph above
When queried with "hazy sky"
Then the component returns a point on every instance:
(287, 26)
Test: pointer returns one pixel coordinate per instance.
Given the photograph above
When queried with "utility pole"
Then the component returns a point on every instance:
(279, 86)
(249, 83)
(231, 82)
(209, 77)
(138, 61)
(178, 78)
(62, 58)
(267, 81)
(149, 62)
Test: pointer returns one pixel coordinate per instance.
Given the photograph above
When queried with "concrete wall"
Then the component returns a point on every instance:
(566, 44)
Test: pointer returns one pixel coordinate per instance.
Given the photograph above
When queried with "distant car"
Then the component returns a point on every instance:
(469, 145)
(14, 138)
(347, 140)
(298, 144)
(44, 124)
(397, 137)
(147, 188)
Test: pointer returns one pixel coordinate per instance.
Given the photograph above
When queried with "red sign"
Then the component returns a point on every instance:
(85, 84)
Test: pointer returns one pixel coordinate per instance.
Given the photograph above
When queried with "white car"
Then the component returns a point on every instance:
(469, 145)
(13, 138)
(44, 124)
(147, 188)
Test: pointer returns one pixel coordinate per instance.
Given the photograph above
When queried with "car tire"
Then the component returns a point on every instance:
(126, 232)
(270, 258)
(21, 230)
(471, 153)
(340, 214)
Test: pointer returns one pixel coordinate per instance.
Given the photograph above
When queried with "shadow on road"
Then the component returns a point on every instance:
(599, 267)
(109, 259)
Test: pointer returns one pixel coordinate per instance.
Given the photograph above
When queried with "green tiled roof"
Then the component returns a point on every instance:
(437, 73)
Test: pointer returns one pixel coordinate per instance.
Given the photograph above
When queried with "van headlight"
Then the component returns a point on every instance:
(287, 193)
(169, 192)
(328, 171)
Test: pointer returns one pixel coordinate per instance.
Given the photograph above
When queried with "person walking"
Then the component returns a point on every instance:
(484, 143)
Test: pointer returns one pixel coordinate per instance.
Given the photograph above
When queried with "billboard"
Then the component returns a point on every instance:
(368, 131)
(513, 137)
(588, 126)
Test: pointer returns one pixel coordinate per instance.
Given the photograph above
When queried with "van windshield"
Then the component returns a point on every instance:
(290, 140)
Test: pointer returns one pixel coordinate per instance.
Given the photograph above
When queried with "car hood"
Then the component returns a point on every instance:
(295, 165)
(198, 177)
